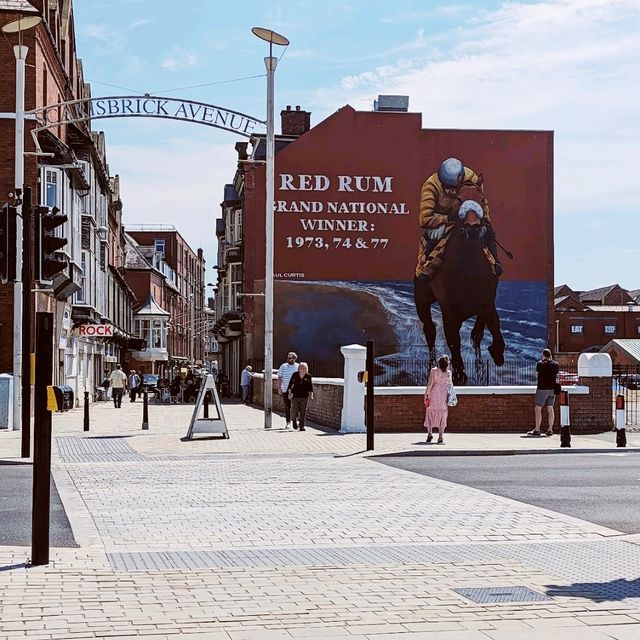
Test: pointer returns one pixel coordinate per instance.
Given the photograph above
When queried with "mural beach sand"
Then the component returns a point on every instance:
(320, 317)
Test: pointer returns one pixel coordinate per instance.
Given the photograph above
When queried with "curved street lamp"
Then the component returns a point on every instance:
(270, 62)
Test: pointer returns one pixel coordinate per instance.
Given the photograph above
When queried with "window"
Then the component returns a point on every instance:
(159, 246)
(154, 332)
(157, 336)
(576, 328)
(81, 295)
(236, 226)
(142, 329)
(236, 287)
(51, 188)
(609, 328)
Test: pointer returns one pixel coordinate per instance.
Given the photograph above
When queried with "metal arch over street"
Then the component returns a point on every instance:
(144, 107)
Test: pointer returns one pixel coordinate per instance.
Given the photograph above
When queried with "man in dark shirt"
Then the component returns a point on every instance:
(547, 370)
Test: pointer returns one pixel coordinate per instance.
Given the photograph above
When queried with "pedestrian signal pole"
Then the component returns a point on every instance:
(42, 441)
(26, 324)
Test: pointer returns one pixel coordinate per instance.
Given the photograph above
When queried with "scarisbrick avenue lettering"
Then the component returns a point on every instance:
(147, 107)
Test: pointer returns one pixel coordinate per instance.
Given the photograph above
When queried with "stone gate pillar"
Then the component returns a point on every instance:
(595, 411)
(352, 417)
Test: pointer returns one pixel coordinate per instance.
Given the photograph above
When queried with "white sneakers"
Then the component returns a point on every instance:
(287, 426)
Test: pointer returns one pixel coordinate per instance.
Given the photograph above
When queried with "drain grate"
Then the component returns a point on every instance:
(485, 595)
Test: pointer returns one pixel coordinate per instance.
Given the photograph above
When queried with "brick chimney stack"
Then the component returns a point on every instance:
(295, 123)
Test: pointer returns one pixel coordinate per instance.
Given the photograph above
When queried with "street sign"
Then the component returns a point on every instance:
(96, 330)
(200, 420)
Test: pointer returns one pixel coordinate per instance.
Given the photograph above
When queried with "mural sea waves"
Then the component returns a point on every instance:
(523, 316)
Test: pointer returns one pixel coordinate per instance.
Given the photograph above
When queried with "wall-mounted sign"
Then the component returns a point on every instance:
(96, 330)
(234, 254)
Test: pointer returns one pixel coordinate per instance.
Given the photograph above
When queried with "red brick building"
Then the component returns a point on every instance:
(167, 277)
(347, 235)
(72, 174)
(588, 320)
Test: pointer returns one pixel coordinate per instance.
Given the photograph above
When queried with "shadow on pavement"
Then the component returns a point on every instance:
(613, 590)
(11, 567)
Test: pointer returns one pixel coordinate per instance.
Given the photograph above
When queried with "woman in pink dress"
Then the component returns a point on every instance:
(435, 399)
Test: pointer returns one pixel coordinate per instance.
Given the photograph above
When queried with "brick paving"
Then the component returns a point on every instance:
(287, 535)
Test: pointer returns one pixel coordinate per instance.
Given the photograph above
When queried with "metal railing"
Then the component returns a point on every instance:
(398, 371)
(318, 367)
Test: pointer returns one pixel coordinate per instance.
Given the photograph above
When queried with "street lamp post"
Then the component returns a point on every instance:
(270, 62)
(192, 302)
(20, 51)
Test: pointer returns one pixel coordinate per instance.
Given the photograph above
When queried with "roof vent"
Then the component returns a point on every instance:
(391, 103)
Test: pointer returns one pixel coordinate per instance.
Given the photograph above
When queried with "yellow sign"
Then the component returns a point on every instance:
(52, 403)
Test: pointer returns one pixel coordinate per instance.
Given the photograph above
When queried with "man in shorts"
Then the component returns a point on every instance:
(547, 370)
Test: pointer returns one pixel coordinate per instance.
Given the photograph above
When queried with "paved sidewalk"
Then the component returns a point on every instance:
(281, 534)
(168, 424)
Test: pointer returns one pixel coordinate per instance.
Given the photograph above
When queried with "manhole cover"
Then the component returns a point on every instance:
(501, 594)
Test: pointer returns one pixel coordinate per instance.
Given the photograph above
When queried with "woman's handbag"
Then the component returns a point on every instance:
(452, 398)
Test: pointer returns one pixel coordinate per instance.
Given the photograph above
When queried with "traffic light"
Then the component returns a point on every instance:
(47, 243)
(8, 217)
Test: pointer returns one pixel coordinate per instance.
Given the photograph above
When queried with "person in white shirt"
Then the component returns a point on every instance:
(118, 379)
(245, 383)
(285, 372)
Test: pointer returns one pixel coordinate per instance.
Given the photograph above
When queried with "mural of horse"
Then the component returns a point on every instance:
(465, 287)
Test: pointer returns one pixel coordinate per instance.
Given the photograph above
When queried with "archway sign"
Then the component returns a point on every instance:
(144, 107)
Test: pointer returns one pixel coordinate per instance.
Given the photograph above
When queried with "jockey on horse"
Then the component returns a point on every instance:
(439, 208)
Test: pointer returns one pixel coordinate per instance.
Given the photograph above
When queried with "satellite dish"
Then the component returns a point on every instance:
(22, 25)
(270, 36)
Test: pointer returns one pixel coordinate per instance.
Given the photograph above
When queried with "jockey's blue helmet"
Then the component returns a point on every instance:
(451, 172)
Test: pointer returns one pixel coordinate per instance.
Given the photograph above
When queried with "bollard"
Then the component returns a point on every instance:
(565, 428)
(86, 411)
(621, 422)
(145, 411)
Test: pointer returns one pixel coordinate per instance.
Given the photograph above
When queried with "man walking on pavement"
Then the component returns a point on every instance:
(118, 381)
(133, 383)
(286, 370)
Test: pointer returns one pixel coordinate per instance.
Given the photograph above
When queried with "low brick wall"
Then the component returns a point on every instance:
(590, 409)
(325, 409)
(479, 409)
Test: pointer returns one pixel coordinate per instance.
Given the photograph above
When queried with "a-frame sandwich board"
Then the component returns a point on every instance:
(201, 421)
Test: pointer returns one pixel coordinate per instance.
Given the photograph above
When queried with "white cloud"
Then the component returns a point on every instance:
(566, 65)
(140, 23)
(178, 182)
(179, 59)
(105, 40)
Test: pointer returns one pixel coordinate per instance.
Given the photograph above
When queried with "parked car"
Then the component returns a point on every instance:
(629, 380)
(565, 377)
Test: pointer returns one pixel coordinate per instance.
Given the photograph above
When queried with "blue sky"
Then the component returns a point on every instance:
(567, 65)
